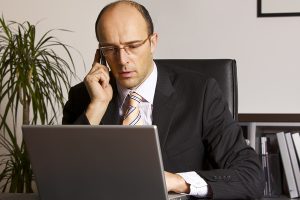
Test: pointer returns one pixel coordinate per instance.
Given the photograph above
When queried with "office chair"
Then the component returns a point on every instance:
(222, 70)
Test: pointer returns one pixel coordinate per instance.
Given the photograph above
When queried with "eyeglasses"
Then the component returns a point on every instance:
(130, 49)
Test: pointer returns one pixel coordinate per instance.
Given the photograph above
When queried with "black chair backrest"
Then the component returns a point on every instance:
(222, 70)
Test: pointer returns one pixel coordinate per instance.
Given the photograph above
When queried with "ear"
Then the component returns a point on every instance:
(153, 42)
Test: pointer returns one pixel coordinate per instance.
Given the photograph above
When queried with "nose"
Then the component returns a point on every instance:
(123, 57)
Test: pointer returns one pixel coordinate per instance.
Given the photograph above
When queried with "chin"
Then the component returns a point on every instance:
(128, 84)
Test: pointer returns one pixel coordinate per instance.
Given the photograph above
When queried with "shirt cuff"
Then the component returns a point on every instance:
(198, 186)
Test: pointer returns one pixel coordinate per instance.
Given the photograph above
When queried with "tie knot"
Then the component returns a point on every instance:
(134, 99)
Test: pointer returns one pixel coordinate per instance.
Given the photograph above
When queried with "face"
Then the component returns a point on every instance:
(123, 26)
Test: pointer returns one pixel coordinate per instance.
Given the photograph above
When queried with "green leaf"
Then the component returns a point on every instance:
(32, 75)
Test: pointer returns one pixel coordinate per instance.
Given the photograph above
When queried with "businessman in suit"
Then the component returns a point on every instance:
(203, 149)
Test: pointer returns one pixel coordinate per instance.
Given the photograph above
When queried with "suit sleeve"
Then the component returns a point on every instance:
(74, 109)
(236, 173)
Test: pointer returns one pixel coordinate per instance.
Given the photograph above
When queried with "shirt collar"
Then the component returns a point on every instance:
(146, 89)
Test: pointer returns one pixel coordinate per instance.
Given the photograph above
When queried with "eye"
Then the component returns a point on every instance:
(110, 48)
(133, 46)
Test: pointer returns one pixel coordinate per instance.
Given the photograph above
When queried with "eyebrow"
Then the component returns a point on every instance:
(125, 43)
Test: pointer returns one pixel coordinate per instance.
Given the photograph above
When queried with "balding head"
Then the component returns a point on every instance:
(123, 29)
(138, 7)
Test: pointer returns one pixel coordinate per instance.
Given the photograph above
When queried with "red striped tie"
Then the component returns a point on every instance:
(132, 115)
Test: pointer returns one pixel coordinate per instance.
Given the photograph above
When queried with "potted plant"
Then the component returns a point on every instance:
(33, 78)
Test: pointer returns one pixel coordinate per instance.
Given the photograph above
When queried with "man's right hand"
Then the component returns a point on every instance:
(99, 89)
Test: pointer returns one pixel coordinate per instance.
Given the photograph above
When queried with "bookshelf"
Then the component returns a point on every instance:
(256, 126)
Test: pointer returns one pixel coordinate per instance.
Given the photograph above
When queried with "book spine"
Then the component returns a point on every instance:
(293, 192)
(266, 167)
(296, 140)
(293, 157)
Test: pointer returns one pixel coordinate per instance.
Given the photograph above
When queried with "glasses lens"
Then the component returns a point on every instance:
(107, 51)
(134, 48)
(130, 49)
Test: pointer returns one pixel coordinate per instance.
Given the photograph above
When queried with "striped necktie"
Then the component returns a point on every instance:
(133, 115)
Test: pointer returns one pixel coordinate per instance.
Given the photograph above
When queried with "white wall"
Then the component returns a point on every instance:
(266, 49)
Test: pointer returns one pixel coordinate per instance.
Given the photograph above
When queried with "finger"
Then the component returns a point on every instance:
(102, 77)
(103, 80)
(92, 80)
(100, 69)
(96, 67)
(105, 73)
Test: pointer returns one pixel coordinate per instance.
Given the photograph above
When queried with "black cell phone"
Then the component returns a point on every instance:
(102, 60)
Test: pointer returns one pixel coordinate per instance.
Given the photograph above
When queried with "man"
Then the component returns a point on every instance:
(195, 128)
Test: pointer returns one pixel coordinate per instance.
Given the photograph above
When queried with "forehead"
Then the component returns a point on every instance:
(122, 23)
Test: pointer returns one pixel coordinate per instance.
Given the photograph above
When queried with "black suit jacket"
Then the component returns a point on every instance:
(196, 130)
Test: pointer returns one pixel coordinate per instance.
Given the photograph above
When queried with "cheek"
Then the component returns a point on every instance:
(115, 73)
(113, 69)
(113, 65)
(143, 60)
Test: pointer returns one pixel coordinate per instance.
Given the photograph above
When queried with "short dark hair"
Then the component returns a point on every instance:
(144, 12)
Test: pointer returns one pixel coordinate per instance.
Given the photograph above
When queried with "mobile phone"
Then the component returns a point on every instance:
(102, 60)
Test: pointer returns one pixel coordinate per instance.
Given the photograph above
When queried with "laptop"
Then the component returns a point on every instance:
(97, 162)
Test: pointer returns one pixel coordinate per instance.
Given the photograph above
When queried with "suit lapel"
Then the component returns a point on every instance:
(164, 104)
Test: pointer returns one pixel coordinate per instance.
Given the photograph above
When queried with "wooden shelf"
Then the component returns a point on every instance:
(268, 117)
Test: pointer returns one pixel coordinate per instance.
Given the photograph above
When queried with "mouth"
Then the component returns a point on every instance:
(126, 74)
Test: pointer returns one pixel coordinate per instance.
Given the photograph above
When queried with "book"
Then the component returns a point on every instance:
(293, 158)
(296, 140)
(269, 190)
(287, 165)
(271, 165)
(264, 162)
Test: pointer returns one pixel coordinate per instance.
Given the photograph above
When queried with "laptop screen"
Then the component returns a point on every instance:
(96, 162)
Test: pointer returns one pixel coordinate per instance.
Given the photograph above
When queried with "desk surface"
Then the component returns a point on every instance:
(10, 196)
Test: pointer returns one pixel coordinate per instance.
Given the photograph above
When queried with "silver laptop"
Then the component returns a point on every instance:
(97, 162)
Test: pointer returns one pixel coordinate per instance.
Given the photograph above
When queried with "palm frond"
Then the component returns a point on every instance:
(33, 77)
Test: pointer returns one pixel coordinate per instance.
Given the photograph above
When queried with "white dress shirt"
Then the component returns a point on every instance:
(198, 186)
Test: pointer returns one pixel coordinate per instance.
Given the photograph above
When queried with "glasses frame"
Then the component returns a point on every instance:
(126, 47)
